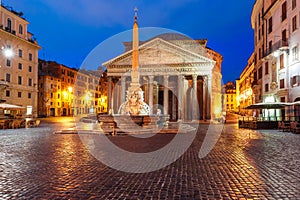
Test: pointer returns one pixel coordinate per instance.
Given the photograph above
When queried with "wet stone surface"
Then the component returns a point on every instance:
(244, 164)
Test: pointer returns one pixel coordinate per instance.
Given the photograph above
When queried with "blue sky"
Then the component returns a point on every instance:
(68, 30)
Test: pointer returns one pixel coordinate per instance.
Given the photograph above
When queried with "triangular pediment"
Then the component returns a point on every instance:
(160, 52)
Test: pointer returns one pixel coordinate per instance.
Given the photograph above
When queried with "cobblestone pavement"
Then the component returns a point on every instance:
(244, 164)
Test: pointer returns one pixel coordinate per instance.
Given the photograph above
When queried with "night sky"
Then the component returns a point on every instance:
(67, 30)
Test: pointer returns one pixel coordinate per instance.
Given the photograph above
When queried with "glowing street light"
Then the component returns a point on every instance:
(7, 52)
(70, 89)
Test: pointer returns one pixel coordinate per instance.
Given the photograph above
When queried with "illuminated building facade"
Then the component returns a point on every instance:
(276, 54)
(179, 76)
(244, 92)
(65, 91)
(19, 62)
(90, 92)
(230, 99)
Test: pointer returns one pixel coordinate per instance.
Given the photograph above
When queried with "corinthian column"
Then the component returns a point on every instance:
(209, 95)
(195, 105)
(204, 97)
(180, 97)
(166, 94)
(109, 93)
(151, 93)
(123, 88)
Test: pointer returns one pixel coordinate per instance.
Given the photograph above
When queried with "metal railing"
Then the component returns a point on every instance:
(278, 45)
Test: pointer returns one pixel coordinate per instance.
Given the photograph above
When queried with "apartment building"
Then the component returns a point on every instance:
(230, 99)
(19, 62)
(65, 91)
(276, 53)
(244, 91)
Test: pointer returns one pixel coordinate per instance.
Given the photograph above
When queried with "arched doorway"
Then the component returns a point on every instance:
(52, 112)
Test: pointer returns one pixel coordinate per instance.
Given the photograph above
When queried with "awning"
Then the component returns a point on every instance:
(268, 105)
(7, 106)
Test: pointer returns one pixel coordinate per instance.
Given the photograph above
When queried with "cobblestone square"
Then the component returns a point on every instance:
(244, 164)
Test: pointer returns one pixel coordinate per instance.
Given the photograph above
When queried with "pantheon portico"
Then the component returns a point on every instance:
(179, 76)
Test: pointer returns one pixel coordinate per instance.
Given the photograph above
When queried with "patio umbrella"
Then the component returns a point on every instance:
(267, 105)
(297, 103)
(7, 106)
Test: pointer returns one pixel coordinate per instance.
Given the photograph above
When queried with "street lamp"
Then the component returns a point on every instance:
(7, 52)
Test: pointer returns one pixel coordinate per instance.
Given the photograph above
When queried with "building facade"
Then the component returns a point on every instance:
(19, 62)
(244, 91)
(230, 99)
(179, 76)
(276, 54)
(65, 91)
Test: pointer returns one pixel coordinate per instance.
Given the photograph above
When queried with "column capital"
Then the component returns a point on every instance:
(195, 76)
(151, 78)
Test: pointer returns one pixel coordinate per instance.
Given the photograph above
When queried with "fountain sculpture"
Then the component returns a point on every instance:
(134, 111)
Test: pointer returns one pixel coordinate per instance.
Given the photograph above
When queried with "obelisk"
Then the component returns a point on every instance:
(135, 53)
(134, 104)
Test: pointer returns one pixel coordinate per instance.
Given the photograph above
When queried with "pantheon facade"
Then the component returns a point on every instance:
(179, 76)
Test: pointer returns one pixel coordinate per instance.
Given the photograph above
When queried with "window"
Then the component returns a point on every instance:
(20, 53)
(295, 53)
(20, 66)
(281, 83)
(266, 68)
(283, 11)
(29, 82)
(294, 23)
(8, 24)
(7, 93)
(270, 44)
(20, 29)
(283, 35)
(266, 87)
(260, 73)
(8, 78)
(293, 4)
(270, 25)
(259, 53)
(8, 63)
(295, 81)
(29, 95)
(255, 76)
(30, 69)
(20, 80)
(19, 94)
(30, 56)
(281, 61)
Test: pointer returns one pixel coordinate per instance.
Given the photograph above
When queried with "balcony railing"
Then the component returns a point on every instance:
(278, 45)
(3, 83)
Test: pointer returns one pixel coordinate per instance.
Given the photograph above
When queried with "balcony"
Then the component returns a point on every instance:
(3, 84)
(281, 44)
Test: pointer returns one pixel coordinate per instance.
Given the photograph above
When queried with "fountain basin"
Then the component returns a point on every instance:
(128, 123)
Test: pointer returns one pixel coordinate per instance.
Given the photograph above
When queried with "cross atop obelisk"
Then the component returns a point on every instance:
(135, 53)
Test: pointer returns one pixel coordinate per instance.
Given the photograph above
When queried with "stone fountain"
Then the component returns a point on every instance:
(134, 113)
